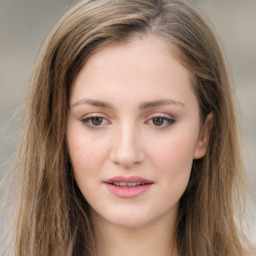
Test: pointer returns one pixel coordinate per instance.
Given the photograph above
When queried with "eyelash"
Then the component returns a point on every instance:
(168, 121)
(88, 121)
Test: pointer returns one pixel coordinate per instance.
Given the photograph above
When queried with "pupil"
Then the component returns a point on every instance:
(97, 120)
(158, 121)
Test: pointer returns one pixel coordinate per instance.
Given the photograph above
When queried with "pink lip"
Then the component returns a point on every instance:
(128, 179)
(128, 192)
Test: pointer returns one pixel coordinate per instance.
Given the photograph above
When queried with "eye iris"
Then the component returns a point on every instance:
(97, 120)
(158, 121)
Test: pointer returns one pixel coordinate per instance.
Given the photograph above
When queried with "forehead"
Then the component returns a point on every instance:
(142, 47)
(143, 66)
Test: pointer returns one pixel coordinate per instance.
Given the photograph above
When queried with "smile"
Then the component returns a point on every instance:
(128, 187)
(128, 184)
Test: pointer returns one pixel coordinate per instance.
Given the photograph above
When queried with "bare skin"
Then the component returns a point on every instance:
(133, 113)
(111, 240)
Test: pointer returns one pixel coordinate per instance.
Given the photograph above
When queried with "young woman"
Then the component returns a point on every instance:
(129, 142)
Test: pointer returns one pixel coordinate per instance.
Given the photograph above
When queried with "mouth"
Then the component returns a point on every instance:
(128, 184)
(128, 187)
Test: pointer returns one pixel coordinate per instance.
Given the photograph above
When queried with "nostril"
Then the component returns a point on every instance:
(127, 157)
(126, 149)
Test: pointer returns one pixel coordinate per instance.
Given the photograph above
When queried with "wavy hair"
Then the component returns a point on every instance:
(52, 215)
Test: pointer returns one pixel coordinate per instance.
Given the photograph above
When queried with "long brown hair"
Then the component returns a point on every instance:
(52, 216)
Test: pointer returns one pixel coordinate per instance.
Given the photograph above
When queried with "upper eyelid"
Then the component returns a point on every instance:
(149, 117)
(163, 115)
(169, 122)
(86, 121)
(93, 115)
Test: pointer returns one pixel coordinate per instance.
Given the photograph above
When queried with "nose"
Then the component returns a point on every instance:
(127, 149)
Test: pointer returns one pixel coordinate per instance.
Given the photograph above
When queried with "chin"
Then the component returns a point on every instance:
(129, 222)
(128, 218)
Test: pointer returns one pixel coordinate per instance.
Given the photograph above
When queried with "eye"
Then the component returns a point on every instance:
(160, 121)
(94, 121)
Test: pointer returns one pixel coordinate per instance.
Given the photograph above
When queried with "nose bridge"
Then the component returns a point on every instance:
(127, 148)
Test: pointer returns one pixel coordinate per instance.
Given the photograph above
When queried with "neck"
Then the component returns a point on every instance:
(151, 240)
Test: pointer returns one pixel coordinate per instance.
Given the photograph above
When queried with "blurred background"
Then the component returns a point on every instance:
(25, 23)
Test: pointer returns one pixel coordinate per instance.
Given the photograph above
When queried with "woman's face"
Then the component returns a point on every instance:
(133, 132)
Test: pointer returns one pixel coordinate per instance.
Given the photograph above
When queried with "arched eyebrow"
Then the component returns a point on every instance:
(96, 103)
(144, 105)
(157, 103)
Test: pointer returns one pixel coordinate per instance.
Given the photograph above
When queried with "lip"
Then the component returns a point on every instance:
(128, 192)
(128, 179)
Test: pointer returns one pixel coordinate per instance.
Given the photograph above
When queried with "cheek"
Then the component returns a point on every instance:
(85, 153)
(174, 154)
(176, 167)
(173, 158)
(86, 159)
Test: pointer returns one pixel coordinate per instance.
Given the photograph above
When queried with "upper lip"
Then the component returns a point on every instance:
(128, 179)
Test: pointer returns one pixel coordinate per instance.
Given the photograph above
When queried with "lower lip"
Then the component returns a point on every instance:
(127, 192)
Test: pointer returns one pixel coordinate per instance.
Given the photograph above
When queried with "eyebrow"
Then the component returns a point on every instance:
(144, 105)
(96, 103)
(157, 103)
